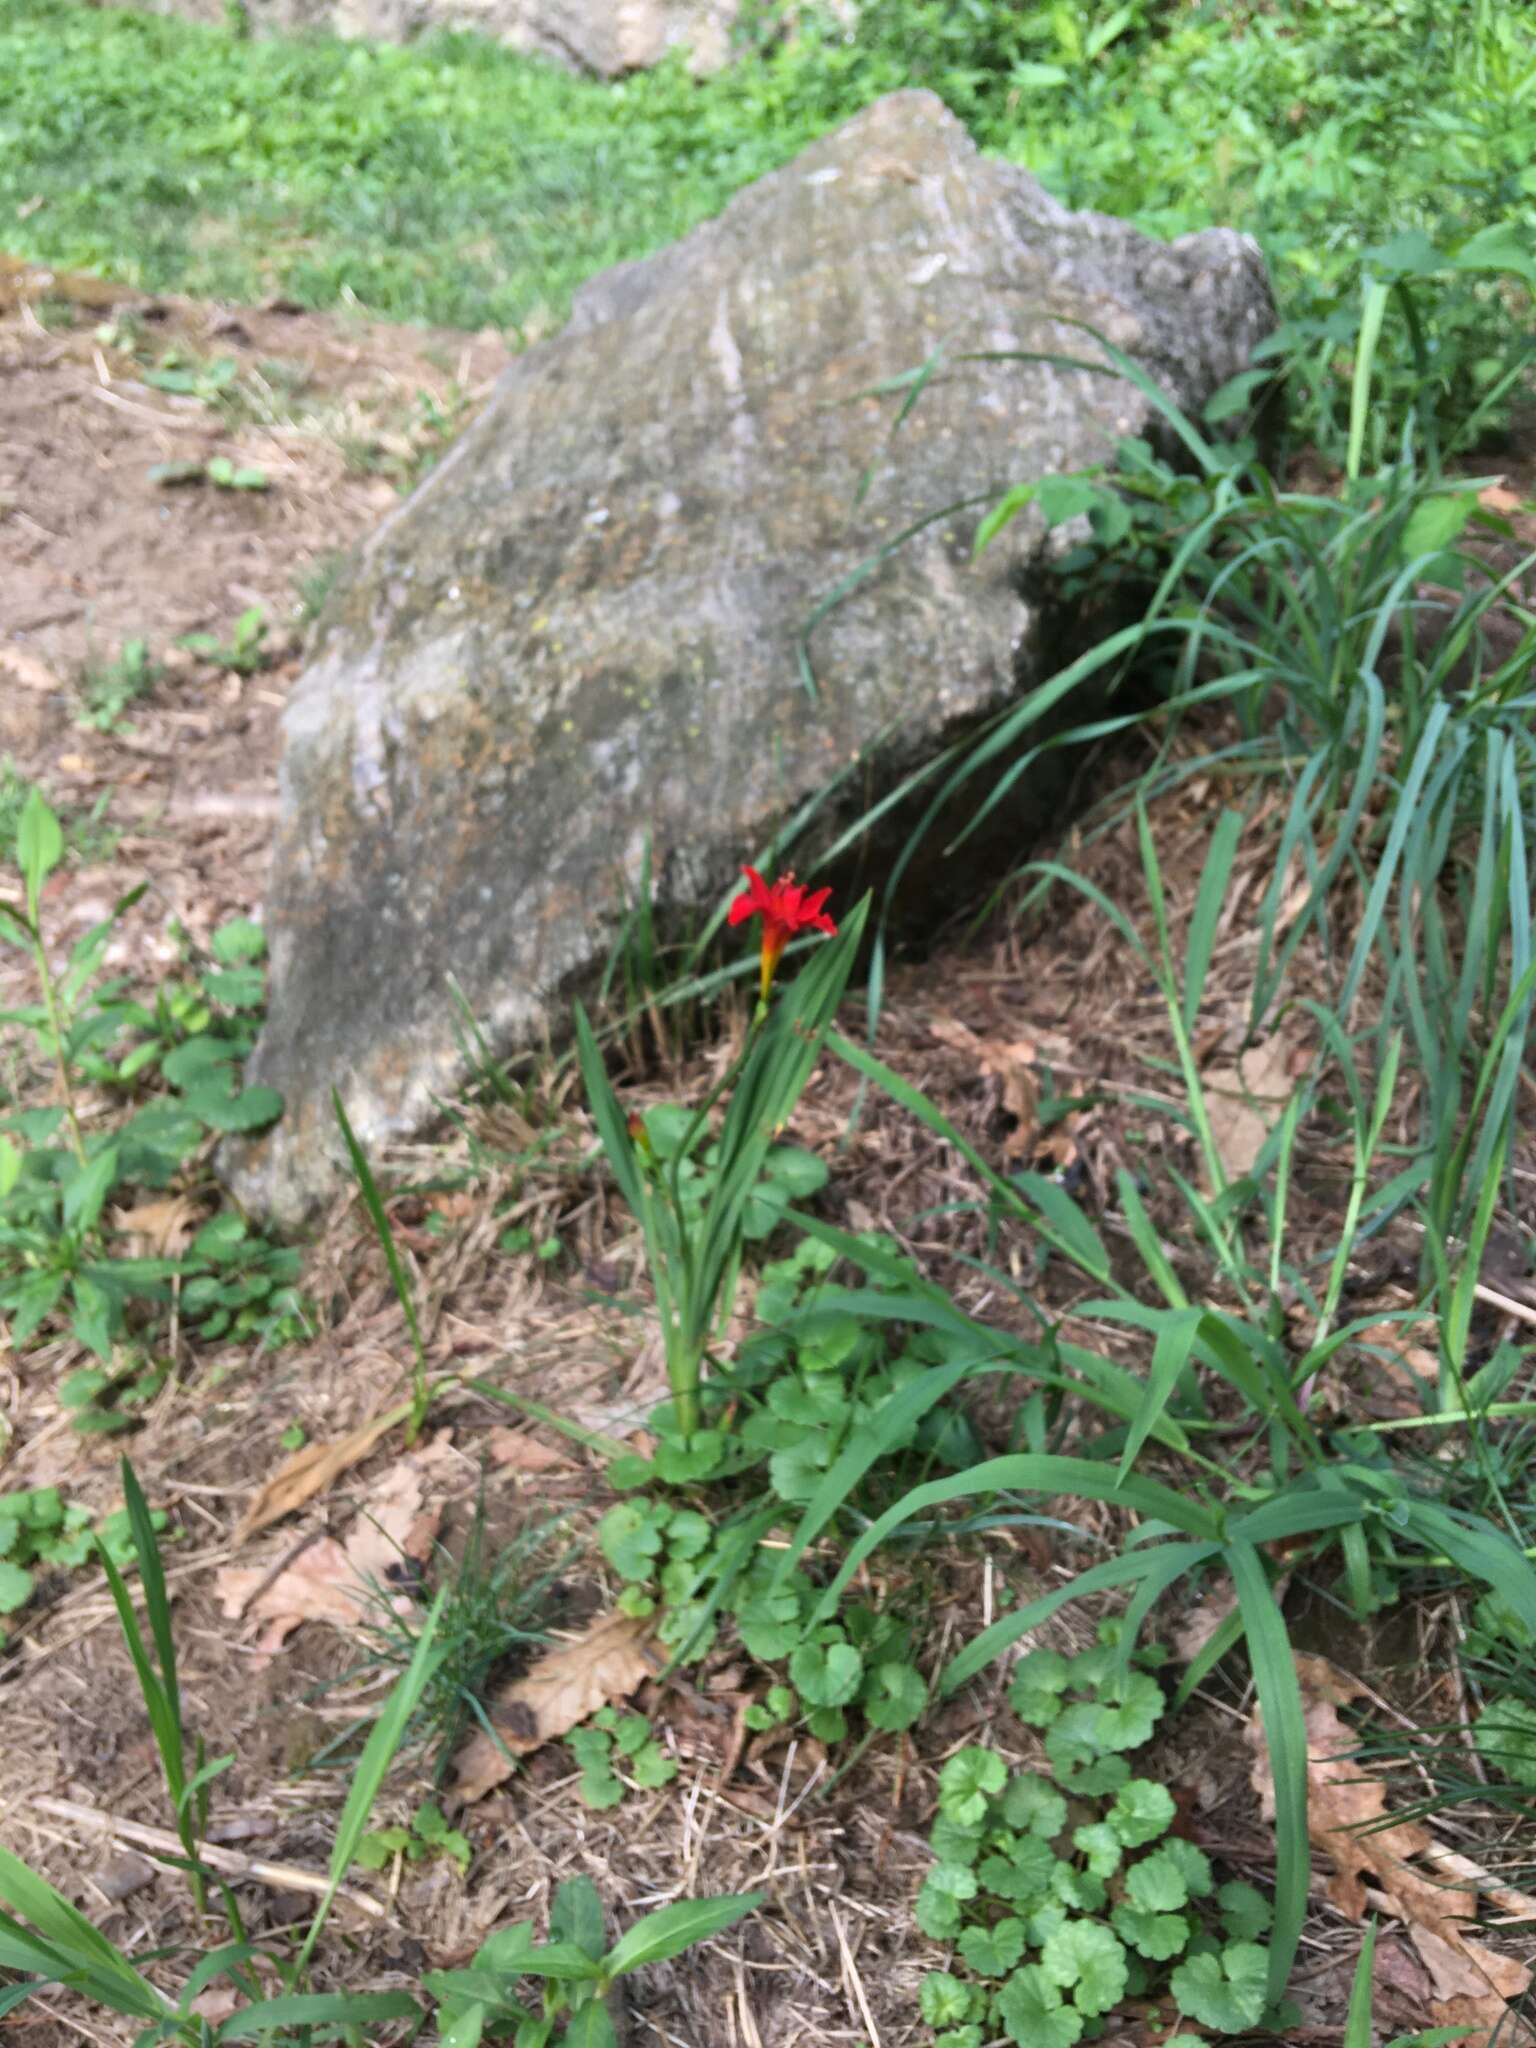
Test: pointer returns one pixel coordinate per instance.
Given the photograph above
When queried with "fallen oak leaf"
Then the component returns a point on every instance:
(1346, 1807)
(339, 1581)
(26, 669)
(161, 1229)
(1496, 497)
(608, 1662)
(1245, 1101)
(1010, 1061)
(1342, 1797)
(311, 1470)
(1468, 1970)
(514, 1450)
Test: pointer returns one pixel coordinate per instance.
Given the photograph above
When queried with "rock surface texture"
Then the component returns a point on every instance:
(608, 37)
(582, 629)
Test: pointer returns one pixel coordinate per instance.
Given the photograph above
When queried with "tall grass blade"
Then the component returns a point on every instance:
(1026, 1472)
(373, 1767)
(378, 1216)
(1274, 1679)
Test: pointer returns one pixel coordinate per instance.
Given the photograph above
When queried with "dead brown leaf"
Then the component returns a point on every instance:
(310, 1470)
(1379, 1869)
(1403, 1368)
(158, 1230)
(338, 1581)
(513, 1450)
(1198, 1626)
(1499, 498)
(556, 1694)
(1245, 1102)
(25, 668)
(1009, 1061)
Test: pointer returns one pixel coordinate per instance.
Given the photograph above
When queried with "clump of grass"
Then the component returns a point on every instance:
(313, 586)
(492, 1605)
(108, 688)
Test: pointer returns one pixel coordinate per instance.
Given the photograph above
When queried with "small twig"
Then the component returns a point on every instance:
(852, 1978)
(284, 1877)
(1518, 1309)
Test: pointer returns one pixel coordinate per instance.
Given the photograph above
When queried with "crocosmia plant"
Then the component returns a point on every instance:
(696, 1221)
(786, 910)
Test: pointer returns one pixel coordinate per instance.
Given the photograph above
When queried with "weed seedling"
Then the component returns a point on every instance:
(1064, 1893)
(243, 652)
(108, 688)
(59, 1258)
(577, 1970)
(426, 1834)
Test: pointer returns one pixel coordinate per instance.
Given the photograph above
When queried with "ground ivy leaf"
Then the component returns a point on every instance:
(15, 1587)
(767, 1635)
(897, 1698)
(651, 1766)
(1505, 1735)
(1037, 1709)
(1042, 1921)
(630, 1537)
(1073, 1738)
(826, 1341)
(689, 1534)
(1158, 1936)
(1157, 1884)
(1104, 1775)
(810, 1404)
(936, 1912)
(993, 1951)
(826, 1674)
(681, 1463)
(1079, 1888)
(797, 1471)
(1024, 1875)
(952, 1843)
(1047, 1669)
(1102, 1847)
(1087, 1959)
(1035, 1689)
(1033, 1806)
(1225, 1991)
(968, 1780)
(1030, 2009)
(1129, 1721)
(1193, 1865)
(943, 2000)
(1245, 1913)
(1142, 1811)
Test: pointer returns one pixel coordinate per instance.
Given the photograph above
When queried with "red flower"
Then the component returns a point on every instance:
(786, 910)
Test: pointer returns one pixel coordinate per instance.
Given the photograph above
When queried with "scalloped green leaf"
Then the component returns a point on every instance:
(1225, 1991)
(1031, 2011)
(968, 1780)
(1142, 1811)
(1087, 1959)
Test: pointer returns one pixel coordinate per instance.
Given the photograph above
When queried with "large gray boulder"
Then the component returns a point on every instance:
(582, 629)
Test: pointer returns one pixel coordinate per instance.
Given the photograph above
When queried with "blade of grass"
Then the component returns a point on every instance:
(1274, 1679)
(372, 1768)
(379, 1217)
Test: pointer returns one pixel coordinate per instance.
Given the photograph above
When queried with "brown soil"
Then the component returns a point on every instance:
(94, 553)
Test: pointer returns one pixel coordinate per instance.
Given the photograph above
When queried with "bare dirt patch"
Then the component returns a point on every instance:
(334, 414)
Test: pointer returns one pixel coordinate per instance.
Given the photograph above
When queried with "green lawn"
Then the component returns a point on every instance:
(454, 182)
